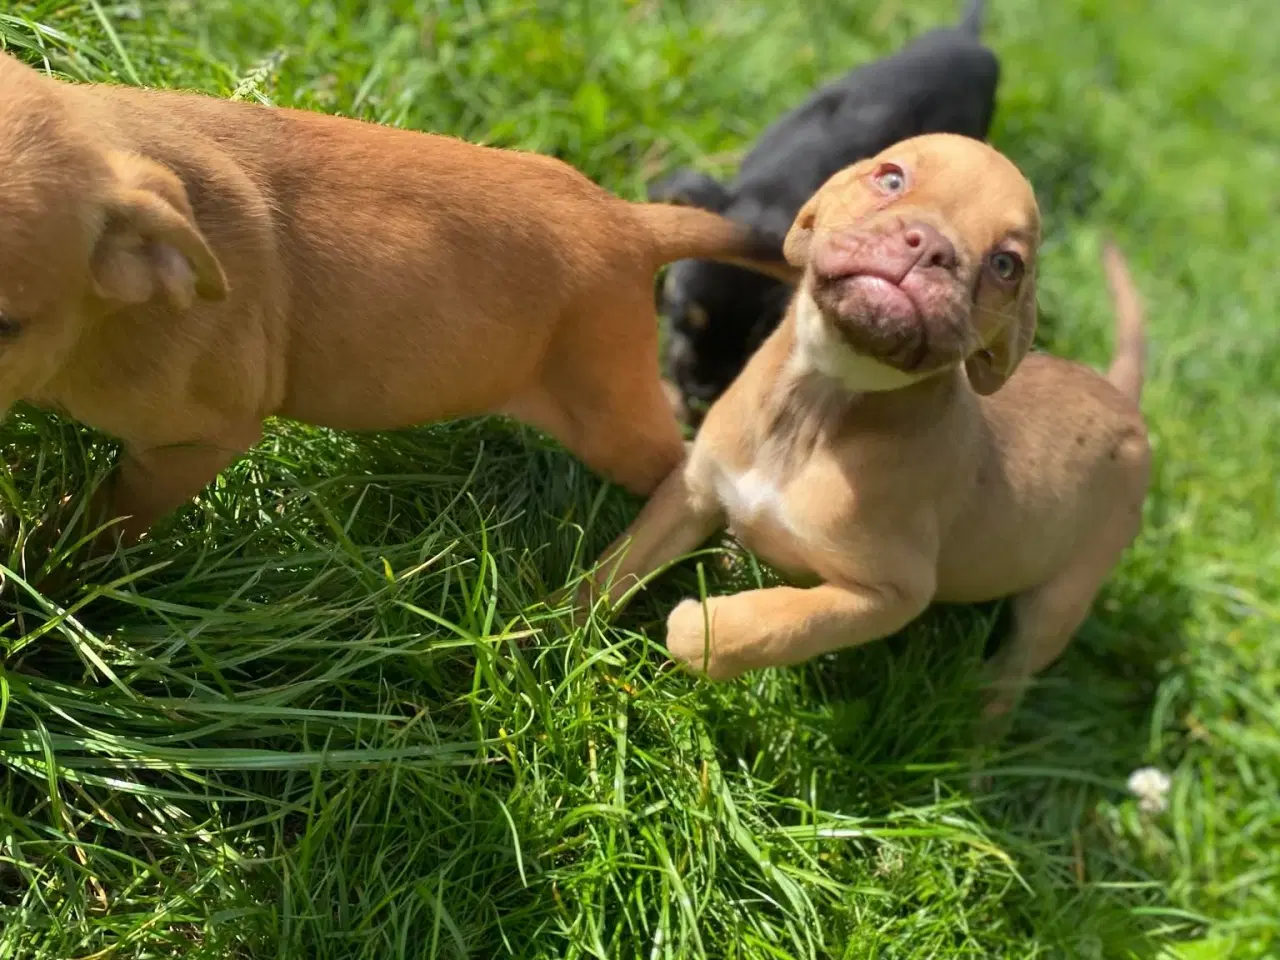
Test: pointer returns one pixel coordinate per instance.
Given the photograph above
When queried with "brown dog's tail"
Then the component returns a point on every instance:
(689, 233)
(1129, 358)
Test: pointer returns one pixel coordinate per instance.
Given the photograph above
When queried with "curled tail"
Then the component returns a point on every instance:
(689, 233)
(1129, 356)
(971, 22)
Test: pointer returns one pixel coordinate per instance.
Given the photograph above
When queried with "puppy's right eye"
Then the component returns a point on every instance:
(890, 178)
(696, 316)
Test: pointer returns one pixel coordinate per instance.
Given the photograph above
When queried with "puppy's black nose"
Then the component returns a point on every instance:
(933, 248)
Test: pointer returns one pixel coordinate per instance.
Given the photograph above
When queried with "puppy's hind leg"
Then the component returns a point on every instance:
(1046, 617)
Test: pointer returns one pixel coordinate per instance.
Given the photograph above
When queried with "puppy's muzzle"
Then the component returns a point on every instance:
(894, 254)
(893, 294)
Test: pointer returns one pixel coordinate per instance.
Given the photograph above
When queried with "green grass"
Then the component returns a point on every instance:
(327, 713)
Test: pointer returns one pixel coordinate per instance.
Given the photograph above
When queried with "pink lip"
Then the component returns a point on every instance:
(834, 263)
(877, 272)
(885, 289)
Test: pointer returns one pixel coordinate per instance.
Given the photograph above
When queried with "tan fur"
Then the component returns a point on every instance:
(182, 267)
(878, 488)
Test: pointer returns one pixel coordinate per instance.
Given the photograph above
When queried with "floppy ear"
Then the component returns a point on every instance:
(800, 237)
(688, 188)
(150, 241)
(989, 369)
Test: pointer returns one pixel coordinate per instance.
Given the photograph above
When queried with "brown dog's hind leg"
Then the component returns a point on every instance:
(632, 437)
(601, 395)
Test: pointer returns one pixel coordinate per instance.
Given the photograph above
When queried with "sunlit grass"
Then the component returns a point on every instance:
(329, 713)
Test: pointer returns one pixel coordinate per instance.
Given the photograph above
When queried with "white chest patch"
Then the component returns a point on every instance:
(753, 495)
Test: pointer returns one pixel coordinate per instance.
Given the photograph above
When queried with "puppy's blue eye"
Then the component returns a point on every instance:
(1006, 265)
(890, 178)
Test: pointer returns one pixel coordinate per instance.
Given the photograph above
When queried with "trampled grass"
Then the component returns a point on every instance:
(327, 713)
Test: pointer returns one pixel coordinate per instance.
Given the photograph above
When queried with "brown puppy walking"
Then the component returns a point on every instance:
(175, 268)
(880, 448)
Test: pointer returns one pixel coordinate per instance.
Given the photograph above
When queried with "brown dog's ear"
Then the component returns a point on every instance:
(990, 368)
(799, 241)
(151, 242)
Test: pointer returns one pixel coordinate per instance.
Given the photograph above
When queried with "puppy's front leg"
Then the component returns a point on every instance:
(780, 626)
(679, 516)
(151, 483)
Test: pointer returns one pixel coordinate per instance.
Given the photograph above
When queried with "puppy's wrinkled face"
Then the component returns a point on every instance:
(717, 316)
(917, 260)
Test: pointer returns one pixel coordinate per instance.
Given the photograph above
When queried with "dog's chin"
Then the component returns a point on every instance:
(868, 300)
(912, 331)
(846, 334)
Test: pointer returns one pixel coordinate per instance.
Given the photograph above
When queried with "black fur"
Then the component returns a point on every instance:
(943, 82)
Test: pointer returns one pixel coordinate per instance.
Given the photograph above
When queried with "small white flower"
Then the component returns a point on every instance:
(889, 861)
(1151, 786)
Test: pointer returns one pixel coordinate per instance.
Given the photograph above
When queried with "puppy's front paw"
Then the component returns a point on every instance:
(689, 644)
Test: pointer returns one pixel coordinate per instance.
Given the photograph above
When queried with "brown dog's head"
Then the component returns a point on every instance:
(916, 260)
(85, 230)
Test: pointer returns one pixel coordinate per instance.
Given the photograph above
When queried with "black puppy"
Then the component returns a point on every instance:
(943, 82)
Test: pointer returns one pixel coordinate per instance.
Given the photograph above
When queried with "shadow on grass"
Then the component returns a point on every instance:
(292, 672)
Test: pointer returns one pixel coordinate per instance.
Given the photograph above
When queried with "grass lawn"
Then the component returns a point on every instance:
(327, 714)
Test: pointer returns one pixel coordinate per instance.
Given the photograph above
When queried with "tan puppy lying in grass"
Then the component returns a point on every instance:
(879, 448)
(175, 268)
